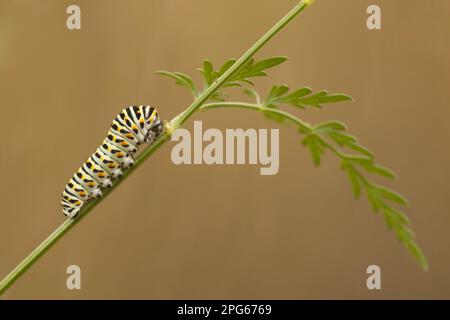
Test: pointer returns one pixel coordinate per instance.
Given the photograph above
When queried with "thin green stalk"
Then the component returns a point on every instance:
(170, 127)
(306, 127)
(243, 59)
(257, 107)
(286, 115)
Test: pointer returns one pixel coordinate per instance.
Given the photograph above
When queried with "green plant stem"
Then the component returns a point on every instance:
(257, 107)
(26, 263)
(241, 61)
(70, 223)
(306, 127)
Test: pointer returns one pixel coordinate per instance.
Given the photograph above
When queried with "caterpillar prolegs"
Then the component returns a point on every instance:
(130, 128)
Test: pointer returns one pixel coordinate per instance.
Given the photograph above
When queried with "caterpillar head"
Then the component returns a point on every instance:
(157, 127)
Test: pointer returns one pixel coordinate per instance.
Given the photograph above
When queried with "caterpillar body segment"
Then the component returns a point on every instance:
(132, 127)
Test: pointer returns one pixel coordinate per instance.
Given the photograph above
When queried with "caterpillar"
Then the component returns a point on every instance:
(132, 127)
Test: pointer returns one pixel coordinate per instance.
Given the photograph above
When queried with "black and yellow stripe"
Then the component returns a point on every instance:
(132, 127)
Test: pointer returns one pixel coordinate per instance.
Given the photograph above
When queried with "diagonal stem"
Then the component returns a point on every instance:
(302, 5)
(170, 127)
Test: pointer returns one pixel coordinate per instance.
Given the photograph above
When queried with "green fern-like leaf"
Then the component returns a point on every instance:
(357, 161)
(302, 97)
(180, 79)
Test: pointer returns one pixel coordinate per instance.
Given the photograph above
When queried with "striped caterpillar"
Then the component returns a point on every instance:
(131, 127)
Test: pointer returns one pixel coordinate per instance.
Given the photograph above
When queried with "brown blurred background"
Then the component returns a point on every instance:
(223, 231)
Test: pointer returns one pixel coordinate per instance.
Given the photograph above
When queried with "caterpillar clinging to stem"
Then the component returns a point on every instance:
(130, 128)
